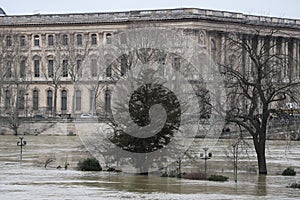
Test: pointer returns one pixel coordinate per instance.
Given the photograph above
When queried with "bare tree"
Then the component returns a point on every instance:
(259, 76)
(64, 64)
(14, 79)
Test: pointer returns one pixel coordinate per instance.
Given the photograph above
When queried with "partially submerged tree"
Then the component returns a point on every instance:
(259, 74)
(148, 83)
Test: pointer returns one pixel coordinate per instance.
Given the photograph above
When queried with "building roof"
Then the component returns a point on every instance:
(145, 15)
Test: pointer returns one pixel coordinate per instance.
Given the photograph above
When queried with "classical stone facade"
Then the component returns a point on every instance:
(33, 47)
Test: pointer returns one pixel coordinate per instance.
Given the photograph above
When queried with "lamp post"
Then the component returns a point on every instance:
(205, 157)
(21, 143)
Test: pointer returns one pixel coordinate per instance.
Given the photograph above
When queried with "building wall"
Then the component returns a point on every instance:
(207, 27)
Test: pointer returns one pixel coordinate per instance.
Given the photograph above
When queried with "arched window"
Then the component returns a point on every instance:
(94, 39)
(36, 40)
(49, 100)
(8, 41)
(7, 99)
(64, 39)
(22, 41)
(79, 39)
(35, 100)
(78, 100)
(50, 40)
(64, 100)
(108, 38)
(213, 50)
(107, 101)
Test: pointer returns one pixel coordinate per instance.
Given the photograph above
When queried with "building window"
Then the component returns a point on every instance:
(176, 63)
(36, 68)
(123, 38)
(161, 64)
(78, 68)
(49, 100)
(50, 40)
(7, 99)
(35, 100)
(64, 39)
(107, 100)
(94, 68)
(108, 67)
(21, 100)
(79, 39)
(23, 68)
(22, 41)
(92, 100)
(8, 41)
(64, 100)
(108, 38)
(94, 39)
(109, 71)
(8, 70)
(50, 68)
(65, 68)
(213, 50)
(123, 65)
(78, 100)
(36, 41)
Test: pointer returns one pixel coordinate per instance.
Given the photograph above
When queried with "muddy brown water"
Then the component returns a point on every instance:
(30, 180)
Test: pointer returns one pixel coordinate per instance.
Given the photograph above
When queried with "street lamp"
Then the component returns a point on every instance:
(21, 143)
(205, 157)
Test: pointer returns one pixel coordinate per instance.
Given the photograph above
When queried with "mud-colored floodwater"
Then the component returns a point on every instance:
(30, 180)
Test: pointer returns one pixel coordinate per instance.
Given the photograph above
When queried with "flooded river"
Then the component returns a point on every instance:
(31, 180)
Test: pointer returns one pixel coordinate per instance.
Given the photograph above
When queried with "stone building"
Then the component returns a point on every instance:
(34, 47)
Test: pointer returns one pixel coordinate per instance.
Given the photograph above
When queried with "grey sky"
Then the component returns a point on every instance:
(279, 8)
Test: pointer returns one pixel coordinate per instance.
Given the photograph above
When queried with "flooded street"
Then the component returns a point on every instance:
(30, 179)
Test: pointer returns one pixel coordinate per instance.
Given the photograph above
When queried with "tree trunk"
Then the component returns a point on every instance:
(55, 102)
(73, 102)
(260, 147)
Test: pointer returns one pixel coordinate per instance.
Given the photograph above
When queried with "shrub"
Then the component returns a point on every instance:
(195, 176)
(89, 164)
(289, 172)
(218, 178)
(294, 185)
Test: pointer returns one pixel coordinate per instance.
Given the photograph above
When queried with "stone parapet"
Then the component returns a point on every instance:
(145, 15)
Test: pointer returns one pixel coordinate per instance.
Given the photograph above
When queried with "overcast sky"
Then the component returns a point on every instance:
(279, 8)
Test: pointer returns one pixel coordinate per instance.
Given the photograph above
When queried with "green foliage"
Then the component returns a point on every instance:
(171, 174)
(195, 176)
(289, 172)
(294, 185)
(89, 164)
(218, 178)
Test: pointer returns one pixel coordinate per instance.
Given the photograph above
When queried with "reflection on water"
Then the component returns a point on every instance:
(261, 185)
(30, 180)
